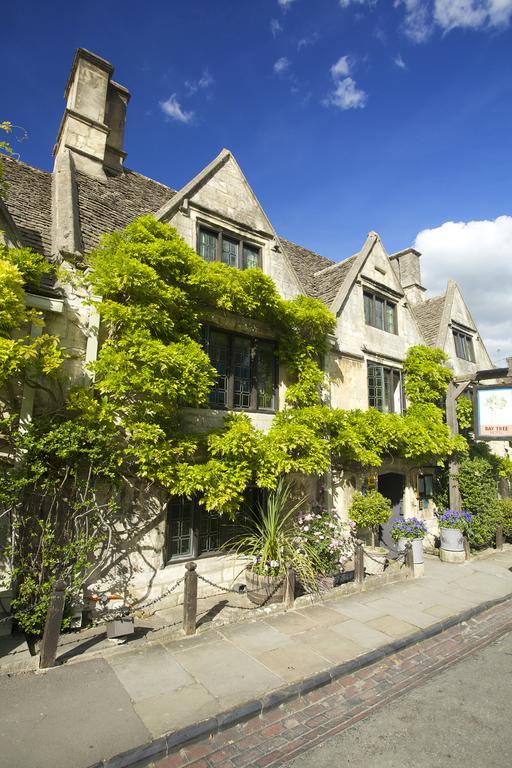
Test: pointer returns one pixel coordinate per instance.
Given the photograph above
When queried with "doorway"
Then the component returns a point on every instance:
(391, 485)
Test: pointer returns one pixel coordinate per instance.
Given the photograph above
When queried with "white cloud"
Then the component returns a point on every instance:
(275, 27)
(346, 95)
(417, 20)
(281, 65)
(346, 3)
(473, 14)
(478, 256)
(285, 4)
(305, 42)
(173, 109)
(205, 81)
(341, 68)
(421, 16)
(400, 63)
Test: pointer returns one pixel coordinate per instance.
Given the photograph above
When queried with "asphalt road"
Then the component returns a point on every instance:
(461, 718)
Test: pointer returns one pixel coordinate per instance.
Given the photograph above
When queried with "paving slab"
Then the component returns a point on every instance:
(321, 615)
(362, 634)
(331, 645)
(255, 637)
(180, 707)
(291, 623)
(66, 717)
(293, 663)
(392, 626)
(227, 672)
(394, 608)
(358, 611)
(149, 672)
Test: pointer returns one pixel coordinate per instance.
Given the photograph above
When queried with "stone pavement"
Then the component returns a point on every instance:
(150, 699)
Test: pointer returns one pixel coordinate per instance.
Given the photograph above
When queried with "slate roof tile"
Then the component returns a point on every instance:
(429, 314)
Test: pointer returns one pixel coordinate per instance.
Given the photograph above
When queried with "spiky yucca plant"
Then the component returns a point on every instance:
(273, 539)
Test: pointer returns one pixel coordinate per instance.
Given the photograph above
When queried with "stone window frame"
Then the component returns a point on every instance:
(221, 234)
(370, 313)
(396, 378)
(255, 343)
(464, 346)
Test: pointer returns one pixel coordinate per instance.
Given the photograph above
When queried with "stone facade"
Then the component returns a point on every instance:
(91, 192)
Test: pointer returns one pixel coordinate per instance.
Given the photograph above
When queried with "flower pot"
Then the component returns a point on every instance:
(329, 582)
(375, 560)
(452, 540)
(263, 590)
(417, 549)
(120, 627)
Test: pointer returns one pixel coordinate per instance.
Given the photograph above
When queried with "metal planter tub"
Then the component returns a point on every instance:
(417, 549)
(375, 560)
(452, 540)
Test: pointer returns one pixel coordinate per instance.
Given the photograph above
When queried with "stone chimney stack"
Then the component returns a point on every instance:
(92, 127)
(406, 265)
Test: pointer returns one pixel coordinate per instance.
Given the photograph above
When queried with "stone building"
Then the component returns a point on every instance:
(378, 300)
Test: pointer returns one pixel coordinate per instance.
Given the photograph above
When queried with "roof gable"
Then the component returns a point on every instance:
(306, 264)
(222, 188)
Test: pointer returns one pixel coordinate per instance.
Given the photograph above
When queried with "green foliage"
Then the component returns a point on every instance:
(426, 375)
(370, 510)
(504, 515)
(464, 413)
(477, 485)
(274, 542)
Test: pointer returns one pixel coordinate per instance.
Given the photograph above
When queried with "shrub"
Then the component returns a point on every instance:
(504, 515)
(370, 511)
(330, 537)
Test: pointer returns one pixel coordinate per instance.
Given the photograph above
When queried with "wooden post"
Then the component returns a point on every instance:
(52, 626)
(467, 550)
(499, 537)
(190, 599)
(453, 467)
(359, 563)
(289, 588)
(409, 557)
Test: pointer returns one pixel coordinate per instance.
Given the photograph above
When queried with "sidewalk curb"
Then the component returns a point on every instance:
(161, 746)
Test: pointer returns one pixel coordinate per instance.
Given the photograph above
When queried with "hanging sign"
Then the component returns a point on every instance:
(493, 413)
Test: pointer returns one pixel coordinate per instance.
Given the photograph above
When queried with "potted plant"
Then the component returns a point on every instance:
(413, 530)
(333, 542)
(371, 510)
(453, 524)
(273, 543)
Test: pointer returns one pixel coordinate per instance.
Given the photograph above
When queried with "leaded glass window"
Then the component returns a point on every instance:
(379, 312)
(242, 384)
(464, 346)
(208, 245)
(384, 389)
(180, 523)
(246, 370)
(265, 378)
(230, 252)
(216, 245)
(218, 351)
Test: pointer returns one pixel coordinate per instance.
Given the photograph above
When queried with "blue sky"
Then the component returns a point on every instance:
(346, 115)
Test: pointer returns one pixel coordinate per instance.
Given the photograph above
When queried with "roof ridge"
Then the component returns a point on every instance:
(304, 248)
(8, 159)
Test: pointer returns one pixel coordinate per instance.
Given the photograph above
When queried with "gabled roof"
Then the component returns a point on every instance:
(111, 204)
(329, 280)
(29, 201)
(428, 315)
(305, 263)
(104, 205)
